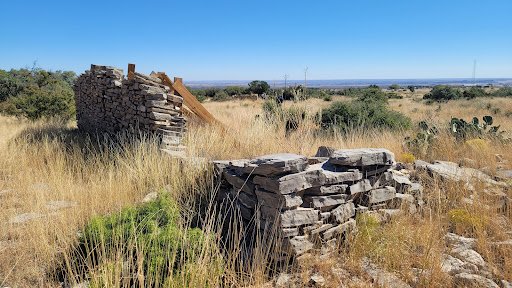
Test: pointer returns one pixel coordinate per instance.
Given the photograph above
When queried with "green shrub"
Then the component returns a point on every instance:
(395, 96)
(474, 92)
(362, 114)
(443, 93)
(504, 91)
(373, 95)
(221, 96)
(150, 235)
(234, 90)
(327, 98)
(49, 101)
(37, 93)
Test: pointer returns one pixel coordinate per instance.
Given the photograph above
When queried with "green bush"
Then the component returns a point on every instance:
(327, 98)
(234, 90)
(362, 114)
(474, 92)
(504, 91)
(35, 102)
(443, 93)
(221, 96)
(150, 235)
(373, 95)
(37, 93)
(395, 96)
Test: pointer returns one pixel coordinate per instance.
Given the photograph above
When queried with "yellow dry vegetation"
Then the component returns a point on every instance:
(48, 161)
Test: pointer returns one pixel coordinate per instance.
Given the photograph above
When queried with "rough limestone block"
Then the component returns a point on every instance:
(340, 229)
(343, 212)
(290, 232)
(297, 245)
(374, 170)
(314, 176)
(276, 164)
(401, 183)
(278, 201)
(360, 187)
(245, 212)
(325, 151)
(384, 179)
(325, 190)
(290, 218)
(362, 157)
(417, 190)
(321, 229)
(472, 280)
(326, 202)
(248, 200)
(239, 182)
(238, 166)
(381, 195)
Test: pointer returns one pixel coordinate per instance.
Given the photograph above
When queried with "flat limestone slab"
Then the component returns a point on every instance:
(276, 164)
(314, 176)
(340, 229)
(278, 201)
(325, 202)
(290, 218)
(382, 194)
(325, 190)
(239, 182)
(297, 245)
(362, 157)
(343, 212)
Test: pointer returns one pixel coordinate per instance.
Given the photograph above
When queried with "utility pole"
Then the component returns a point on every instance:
(285, 78)
(305, 81)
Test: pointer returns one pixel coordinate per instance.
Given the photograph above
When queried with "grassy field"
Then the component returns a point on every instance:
(47, 161)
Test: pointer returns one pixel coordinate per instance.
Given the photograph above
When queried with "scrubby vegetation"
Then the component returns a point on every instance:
(369, 110)
(37, 93)
(153, 239)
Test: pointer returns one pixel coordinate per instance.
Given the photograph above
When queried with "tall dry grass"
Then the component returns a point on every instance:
(48, 161)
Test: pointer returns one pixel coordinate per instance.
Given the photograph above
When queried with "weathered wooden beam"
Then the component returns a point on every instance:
(131, 71)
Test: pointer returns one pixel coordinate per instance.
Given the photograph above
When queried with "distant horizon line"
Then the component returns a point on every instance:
(352, 79)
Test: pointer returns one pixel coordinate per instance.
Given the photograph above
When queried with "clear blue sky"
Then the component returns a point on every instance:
(247, 40)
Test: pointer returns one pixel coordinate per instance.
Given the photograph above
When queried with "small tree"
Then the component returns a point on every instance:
(259, 87)
(411, 88)
(394, 87)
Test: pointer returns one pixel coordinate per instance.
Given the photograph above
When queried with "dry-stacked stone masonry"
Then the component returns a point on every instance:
(107, 102)
(311, 201)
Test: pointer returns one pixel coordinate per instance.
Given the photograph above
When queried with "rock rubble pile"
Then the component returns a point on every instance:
(309, 202)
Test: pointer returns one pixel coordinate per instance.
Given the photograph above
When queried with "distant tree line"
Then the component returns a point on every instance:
(35, 93)
(447, 92)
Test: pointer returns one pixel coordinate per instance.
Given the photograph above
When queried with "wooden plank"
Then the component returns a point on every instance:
(191, 103)
(194, 105)
(131, 71)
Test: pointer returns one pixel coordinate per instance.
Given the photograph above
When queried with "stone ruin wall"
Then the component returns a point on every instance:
(310, 202)
(108, 102)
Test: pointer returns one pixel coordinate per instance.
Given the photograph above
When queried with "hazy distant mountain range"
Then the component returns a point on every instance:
(357, 82)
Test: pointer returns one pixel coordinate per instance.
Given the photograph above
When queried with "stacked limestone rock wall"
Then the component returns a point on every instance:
(107, 102)
(312, 201)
